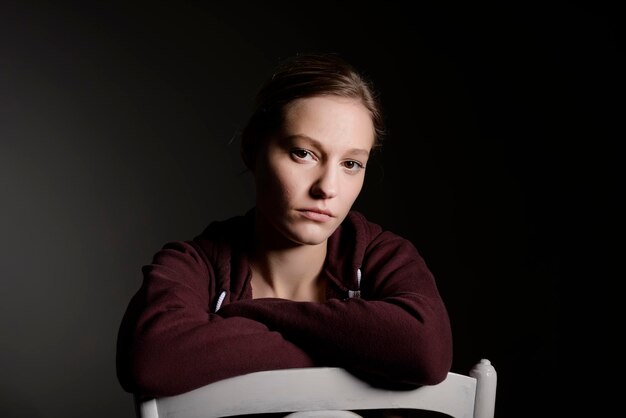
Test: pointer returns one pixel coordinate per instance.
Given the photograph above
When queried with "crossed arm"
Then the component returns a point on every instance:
(170, 341)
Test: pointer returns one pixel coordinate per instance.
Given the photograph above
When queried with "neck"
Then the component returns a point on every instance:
(287, 270)
(288, 274)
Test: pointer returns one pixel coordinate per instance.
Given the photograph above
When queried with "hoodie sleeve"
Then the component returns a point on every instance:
(398, 332)
(169, 342)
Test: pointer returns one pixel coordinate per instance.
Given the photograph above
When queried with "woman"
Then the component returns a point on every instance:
(300, 280)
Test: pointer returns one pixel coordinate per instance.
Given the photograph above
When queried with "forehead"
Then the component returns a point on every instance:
(333, 121)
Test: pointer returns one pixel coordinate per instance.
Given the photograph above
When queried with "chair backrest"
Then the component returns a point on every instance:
(327, 392)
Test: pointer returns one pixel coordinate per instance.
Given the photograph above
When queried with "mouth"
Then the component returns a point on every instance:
(318, 215)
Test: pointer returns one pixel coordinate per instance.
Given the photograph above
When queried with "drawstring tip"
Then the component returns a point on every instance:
(220, 300)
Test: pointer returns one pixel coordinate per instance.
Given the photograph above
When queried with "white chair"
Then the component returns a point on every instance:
(324, 392)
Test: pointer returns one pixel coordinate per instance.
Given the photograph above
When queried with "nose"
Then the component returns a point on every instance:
(326, 184)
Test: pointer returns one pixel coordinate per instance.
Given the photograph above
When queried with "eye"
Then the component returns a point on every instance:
(353, 166)
(302, 154)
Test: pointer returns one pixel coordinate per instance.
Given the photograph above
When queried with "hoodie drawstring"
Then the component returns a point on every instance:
(220, 300)
(356, 294)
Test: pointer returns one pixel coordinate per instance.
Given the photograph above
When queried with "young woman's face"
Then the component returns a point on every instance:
(309, 174)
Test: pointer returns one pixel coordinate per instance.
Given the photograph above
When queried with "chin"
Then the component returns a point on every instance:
(310, 235)
(312, 241)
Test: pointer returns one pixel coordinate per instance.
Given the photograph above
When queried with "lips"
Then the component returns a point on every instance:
(318, 215)
(320, 211)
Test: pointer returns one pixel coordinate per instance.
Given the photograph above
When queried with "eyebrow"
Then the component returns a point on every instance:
(319, 145)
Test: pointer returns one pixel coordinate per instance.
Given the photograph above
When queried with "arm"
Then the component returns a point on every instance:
(169, 342)
(399, 332)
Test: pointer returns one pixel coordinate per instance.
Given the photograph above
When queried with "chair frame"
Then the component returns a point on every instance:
(326, 389)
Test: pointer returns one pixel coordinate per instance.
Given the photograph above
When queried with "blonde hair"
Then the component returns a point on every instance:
(302, 76)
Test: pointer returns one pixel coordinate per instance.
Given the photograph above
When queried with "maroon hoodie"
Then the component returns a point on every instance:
(194, 321)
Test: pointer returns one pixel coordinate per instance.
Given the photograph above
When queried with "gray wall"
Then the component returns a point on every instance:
(118, 133)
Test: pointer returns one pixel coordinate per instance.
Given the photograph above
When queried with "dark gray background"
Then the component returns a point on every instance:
(118, 132)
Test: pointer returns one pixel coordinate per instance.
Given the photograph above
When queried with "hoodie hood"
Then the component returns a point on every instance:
(226, 245)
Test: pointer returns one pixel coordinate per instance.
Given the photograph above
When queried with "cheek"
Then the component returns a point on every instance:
(276, 182)
(353, 189)
(288, 183)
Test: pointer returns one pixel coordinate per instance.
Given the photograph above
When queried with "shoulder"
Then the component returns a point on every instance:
(376, 238)
(368, 230)
(221, 237)
(356, 222)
